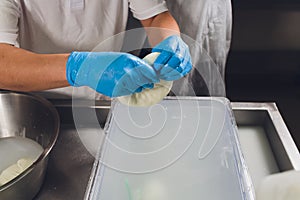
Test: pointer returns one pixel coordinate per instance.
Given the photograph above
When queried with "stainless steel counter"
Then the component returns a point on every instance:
(70, 163)
(69, 168)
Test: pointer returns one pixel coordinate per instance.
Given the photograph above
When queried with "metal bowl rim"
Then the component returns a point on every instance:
(53, 139)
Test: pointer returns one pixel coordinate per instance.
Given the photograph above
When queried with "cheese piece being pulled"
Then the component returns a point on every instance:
(148, 97)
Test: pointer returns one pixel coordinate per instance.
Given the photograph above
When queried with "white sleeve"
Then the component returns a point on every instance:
(145, 9)
(9, 17)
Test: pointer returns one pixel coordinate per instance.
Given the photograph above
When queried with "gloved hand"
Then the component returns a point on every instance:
(110, 73)
(174, 60)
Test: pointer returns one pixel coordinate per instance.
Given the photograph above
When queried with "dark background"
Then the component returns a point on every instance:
(264, 60)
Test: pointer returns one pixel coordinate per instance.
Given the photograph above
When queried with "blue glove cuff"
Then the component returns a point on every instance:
(74, 62)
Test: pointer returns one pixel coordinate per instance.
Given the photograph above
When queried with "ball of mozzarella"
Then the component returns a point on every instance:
(152, 96)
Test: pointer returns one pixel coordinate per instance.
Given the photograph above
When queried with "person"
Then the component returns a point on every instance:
(47, 44)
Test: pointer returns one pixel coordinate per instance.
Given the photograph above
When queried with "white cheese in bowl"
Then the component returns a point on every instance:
(16, 155)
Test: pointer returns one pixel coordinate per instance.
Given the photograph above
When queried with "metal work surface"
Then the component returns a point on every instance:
(68, 170)
(70, 163)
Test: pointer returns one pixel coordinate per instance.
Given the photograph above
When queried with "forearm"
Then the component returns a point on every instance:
(160, 27)
(22, 70)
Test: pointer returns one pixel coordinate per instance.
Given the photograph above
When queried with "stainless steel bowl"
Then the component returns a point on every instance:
(25, 113)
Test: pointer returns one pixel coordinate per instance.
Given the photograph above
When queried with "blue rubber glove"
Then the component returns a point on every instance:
(110, 73)
(174, 60)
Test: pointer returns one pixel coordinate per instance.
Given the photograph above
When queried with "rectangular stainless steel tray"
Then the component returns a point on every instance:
(68, 174)
(189, 148)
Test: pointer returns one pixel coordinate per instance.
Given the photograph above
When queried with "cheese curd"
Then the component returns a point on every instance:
(148, 97)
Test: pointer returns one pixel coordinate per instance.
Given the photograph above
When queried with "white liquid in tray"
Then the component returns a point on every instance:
(16, 155)
(175, 150)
